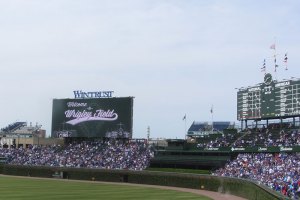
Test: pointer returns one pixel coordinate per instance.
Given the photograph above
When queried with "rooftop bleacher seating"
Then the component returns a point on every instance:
(220, 126)
(12, 127)
(198, 126)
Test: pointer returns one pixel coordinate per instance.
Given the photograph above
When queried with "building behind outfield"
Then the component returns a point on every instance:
(22, 134)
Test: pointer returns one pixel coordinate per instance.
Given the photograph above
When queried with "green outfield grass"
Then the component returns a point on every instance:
(13, 188)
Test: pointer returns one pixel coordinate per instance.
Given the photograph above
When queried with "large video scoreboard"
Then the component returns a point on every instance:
(92, 117)
(270, 99)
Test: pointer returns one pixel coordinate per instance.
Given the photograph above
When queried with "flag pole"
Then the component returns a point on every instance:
(185, 133)
(273, 46)
(184, 118)
(212, 118)
(285, 61)
(263, 68)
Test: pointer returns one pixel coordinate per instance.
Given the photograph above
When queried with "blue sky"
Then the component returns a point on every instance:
(174, 57)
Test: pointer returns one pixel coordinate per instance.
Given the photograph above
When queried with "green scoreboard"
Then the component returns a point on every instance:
(270, 99)
(92, 117)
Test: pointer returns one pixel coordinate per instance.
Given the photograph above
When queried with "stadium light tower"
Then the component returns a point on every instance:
(148, 133)
(18, 140)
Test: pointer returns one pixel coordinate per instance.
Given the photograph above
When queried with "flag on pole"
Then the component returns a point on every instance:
(263, 69)
(285, 61)
(273, 46)
(211, 109)
(275, 63)
(184, 117)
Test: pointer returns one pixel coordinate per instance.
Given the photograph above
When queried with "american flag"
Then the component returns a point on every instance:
(275, 63)
(285, 58)
(263, 69)
(272, 46)
(285, 61)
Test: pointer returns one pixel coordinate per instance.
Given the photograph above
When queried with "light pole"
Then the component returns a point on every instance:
(18, 140)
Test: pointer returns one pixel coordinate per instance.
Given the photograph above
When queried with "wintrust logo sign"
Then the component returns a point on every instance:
(78, 94)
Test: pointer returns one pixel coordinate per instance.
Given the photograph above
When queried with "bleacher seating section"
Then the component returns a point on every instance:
(12, 127)
(220, 126)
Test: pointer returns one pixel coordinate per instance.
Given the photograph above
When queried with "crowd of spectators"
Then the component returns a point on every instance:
(271, 136)
(224, 140)
(268, 138)
(279, 171)
(291, 138)
(112, 154)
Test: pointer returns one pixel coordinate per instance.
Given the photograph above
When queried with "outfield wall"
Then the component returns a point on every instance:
(239, 187)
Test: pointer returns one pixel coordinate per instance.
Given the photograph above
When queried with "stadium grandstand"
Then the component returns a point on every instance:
(267, 154)
(100, 154)
(20, 147)
(272, 160)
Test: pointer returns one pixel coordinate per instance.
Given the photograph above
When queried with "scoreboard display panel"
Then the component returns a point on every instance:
(270, 99)
(94, 117)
